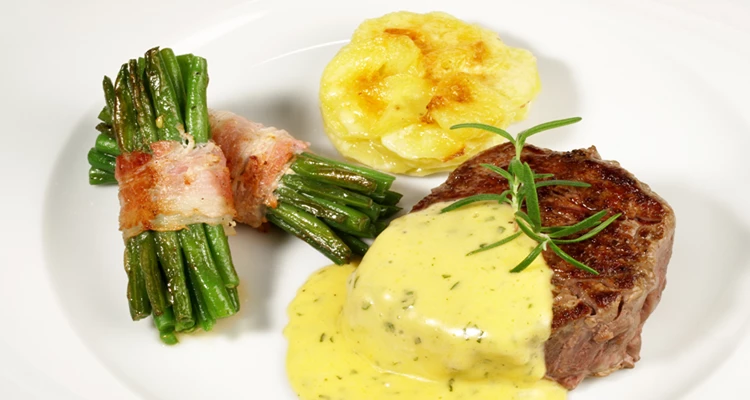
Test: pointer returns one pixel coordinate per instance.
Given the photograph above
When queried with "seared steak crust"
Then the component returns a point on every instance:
(597, 322)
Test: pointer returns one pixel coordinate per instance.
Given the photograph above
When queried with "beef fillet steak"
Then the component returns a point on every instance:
(597, 322)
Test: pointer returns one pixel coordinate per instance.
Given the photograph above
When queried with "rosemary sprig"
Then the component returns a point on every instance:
(522, 190)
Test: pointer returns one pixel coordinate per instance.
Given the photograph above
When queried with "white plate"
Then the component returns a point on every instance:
(661, 88)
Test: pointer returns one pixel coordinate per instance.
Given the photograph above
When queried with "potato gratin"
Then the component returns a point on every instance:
(390, 96)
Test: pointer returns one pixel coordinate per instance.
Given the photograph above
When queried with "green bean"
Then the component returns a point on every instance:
(372, 212)
(383, 180)
(187, 327)
(200, 309)
(123, 117)
(155, 287)
(370, 232)
(334, 175)
(165, 322)
(355, 219)
(169, 61)
(142, 68)
(143, 109)
(106, 129)
(392, 198)
(196, 110)
(105, 116)
(102, 161)
(168, 338)
(389, 198)
(109, 94)
(140, 307)
(388, 211)
(219, 246)
(168, 119)
(380, 227)
(207, 278)
(170, 258)
(309, 204)
(325, 209)
(326, 191)
(184, 61)
(356, 244)
(101, 177)
(310, 229)
(107, 145)
(234, 296)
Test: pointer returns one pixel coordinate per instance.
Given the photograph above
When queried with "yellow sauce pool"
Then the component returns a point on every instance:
(419, 319)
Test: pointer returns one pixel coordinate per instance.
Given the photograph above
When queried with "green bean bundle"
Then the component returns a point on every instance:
(185, 279)
(329, 204)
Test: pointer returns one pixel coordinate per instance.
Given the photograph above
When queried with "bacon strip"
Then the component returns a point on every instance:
(176, 186)
(257, 157)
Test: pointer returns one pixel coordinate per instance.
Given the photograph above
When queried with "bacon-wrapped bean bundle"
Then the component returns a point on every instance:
(329, 204)
(174, 189)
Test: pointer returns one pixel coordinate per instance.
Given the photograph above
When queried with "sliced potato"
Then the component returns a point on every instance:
(421, 141)
(390, 96)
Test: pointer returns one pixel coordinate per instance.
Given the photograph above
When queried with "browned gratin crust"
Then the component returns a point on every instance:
(596, 328)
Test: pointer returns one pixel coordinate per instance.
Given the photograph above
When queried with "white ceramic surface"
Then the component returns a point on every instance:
(661, 87)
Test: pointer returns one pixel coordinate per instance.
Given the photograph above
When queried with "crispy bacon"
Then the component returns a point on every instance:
(175, 186)
(257, 157)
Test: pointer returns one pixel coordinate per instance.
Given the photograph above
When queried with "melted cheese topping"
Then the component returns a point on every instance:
(419, 319)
